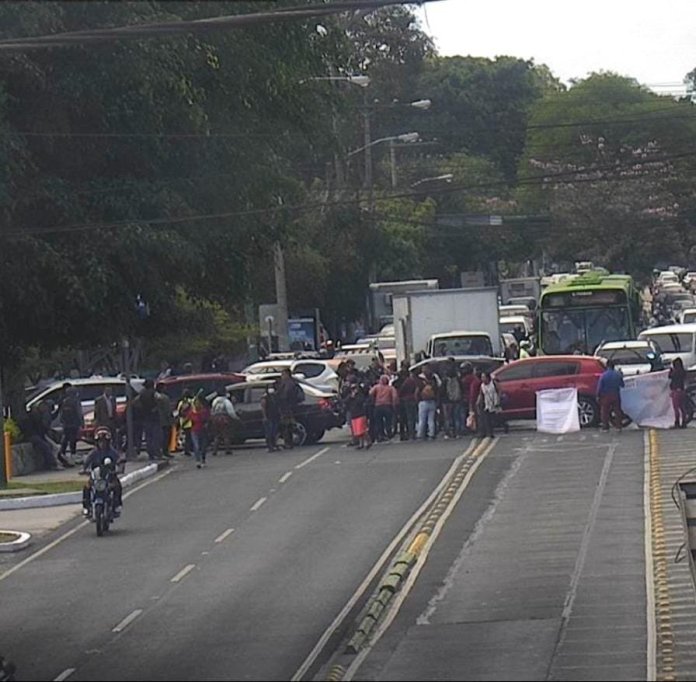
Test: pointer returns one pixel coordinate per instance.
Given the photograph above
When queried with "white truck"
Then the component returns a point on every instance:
(381, 293)
(519, 288)
(447, 322)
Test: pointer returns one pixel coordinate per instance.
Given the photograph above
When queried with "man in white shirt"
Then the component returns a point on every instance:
(223, 418)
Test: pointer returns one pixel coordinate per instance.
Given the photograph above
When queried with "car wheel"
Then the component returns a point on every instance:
(315, 436)
(299, 434)
(587, 411)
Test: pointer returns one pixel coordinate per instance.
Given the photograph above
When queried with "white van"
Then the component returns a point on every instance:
(675, 341)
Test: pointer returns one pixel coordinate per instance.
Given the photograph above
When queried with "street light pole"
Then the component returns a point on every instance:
(281, 298)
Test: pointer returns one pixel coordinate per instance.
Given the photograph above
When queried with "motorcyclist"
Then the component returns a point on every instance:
(103, 450)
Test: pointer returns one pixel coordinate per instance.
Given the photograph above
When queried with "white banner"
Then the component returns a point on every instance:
(646, 399)
(557, 410)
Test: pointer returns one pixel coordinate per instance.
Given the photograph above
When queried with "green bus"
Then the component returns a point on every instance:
(577, 315)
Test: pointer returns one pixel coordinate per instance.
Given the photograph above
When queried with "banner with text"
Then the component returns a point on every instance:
(646, 399)
(557, 410)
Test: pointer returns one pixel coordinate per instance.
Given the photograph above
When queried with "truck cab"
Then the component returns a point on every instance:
(458, 343)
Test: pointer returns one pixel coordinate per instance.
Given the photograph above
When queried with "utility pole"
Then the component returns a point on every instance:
(130, 445)
(281, 297)
(3, 454)
(369, 183)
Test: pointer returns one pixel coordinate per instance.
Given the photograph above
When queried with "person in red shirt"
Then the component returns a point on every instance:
(385, 400)
(200, 416)
(408, 404)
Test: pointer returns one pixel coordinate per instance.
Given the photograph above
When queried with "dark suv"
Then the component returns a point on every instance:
(319, 412)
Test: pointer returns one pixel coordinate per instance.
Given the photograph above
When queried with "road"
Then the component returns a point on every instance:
(197, 600)
(538, 571)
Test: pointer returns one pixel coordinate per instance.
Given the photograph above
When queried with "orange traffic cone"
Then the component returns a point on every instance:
(173, 438)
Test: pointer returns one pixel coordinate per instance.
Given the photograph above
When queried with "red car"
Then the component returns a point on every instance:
(519, 381)
(209, 383)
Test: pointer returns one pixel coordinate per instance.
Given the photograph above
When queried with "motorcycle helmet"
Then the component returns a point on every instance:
(102, 432)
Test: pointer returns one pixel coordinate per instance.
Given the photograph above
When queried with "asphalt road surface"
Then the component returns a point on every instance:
(230, 572)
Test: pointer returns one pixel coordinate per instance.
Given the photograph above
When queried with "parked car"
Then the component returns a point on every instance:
(632, 357)
(319, 373)
(89, 389)
(439, 365)
(519, 381)
(676, 341)
(319, 412)
(209, 383)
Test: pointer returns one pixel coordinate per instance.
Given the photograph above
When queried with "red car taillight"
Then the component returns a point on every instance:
(325, 404)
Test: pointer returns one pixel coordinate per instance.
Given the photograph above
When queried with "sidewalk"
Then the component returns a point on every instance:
(41, 520)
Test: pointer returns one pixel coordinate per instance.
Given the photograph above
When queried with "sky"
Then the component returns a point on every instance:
(653, 41)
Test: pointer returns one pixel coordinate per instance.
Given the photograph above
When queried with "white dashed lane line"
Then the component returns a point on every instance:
(285, 477)
(64, 675)
(127, 621)
(183, 573)
(258, 504)
(312, 458)
(223, 536)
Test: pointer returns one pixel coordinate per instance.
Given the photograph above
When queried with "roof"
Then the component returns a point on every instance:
(616, 345)
(183, 378)
(689, 328)
(514, 319)
(455, 334)
(593, 279)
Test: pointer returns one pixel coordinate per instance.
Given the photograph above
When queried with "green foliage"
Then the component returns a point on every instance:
(10, 426)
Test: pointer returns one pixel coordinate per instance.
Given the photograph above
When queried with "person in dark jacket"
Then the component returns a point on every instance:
(609, 395)
(271, 418)
(72, 420)
(146, 409)
(290, 395)
(105, 411)
(677, 387)
(38, 427)
(166, 419)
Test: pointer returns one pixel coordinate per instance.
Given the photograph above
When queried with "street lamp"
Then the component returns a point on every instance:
(447, 177)
(404, 137)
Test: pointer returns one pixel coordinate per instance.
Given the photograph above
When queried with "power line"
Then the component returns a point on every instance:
(196, 26)
(566, 177)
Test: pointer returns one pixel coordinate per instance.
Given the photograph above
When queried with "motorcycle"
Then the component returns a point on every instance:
(102, 496)
(7, 670)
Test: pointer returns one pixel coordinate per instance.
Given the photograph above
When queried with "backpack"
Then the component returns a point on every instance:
(454, 389)
(427, 393)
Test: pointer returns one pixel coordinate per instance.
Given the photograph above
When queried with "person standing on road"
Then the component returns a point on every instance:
(452, 401)
(72, 420)
(166, 419)
(183, 414)
(146, 408)
(271, 418)
(357, 407)
(200, 416)
(609, 396)
(290, 395)
(466, 378)
(386, 401)
(427, 403)
(105, 411)
(408, 405)
(223, 416)
(677, 387)
(38, 427)
(475, 419)
(489, 405)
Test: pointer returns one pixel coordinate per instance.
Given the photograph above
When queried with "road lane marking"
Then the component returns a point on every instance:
(258, 503)
(649, 563)
(127, 621)
(65, 536)
(183, 573)
(486, 446)
(312, 458)
(65, 674)
(379, 565)
(285, 477)
(223, 536)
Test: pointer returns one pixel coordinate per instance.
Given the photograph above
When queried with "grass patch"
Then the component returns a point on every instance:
(49, 487)
(8, 537)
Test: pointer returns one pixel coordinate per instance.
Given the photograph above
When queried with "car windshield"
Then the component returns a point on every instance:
(582, 330)
(626, 356)
(674, 343)
(462, 345)
(264, 369)
(689, 317)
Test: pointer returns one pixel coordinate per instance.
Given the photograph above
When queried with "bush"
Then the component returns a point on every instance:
(12, 428)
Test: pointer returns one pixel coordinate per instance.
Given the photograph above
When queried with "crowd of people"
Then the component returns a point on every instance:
(418, 403)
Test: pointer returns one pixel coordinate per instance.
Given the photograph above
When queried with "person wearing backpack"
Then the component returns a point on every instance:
(183, 413)
(72, 420)
(452, 402)
(426, 395)
(290, 395)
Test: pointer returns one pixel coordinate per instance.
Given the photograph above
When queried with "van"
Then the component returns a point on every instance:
(676, 341)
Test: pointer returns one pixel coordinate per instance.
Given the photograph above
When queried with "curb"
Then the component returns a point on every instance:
(59, 499)
(16, 545)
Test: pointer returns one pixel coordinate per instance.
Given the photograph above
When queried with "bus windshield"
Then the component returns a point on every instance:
(570, 331)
